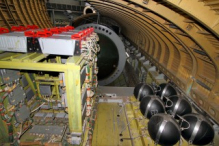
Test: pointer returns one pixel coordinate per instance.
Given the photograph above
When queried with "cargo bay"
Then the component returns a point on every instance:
(109, 72)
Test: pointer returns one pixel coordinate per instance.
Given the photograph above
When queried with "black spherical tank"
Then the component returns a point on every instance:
(141, 90)
(163, 129)
(137, 89)
(166, 90)
(199, 131)
(151, 105)
(177, 106)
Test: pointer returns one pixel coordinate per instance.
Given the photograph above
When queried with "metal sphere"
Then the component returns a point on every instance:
(142, 90)
(163, 129)
(177, 105)
(151, 105)
(199, 131)
(166, 90)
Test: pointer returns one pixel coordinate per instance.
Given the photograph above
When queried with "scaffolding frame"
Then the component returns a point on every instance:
(71, 70)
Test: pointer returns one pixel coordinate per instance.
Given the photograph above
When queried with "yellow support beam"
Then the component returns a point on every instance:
(30, 82)
(71, 72)
(72, 80)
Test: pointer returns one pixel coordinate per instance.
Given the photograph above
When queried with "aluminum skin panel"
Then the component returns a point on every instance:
(13, 42)
(57, 45)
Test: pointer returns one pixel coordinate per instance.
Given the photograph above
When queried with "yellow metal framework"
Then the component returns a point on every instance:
(71, 70)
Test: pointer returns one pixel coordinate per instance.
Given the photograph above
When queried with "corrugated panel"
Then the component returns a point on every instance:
(186, 67)
(158, 52)
(166, 56)
(207, 73)
(176, 61)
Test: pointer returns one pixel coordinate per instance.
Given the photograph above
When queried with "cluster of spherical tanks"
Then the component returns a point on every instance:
(170, 116)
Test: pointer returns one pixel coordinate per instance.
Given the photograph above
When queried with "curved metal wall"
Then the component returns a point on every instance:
(24, 12)
(180, 37)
